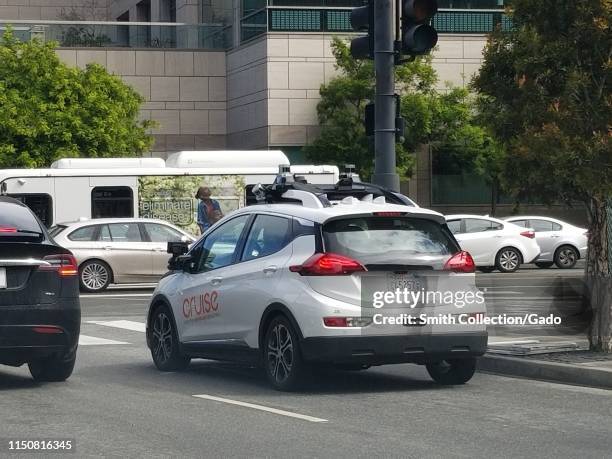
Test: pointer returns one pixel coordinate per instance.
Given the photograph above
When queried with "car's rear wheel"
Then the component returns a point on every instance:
(283, 363)
(544, 264)
(52, 369)
(508, 260)
(94, 276)
(566, 257)
(165, 346)
(452, 372)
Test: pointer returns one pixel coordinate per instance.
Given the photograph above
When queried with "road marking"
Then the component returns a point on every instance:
(500, 343)
(289, 414)
(125, 324)
(118, 295)
(85, 340)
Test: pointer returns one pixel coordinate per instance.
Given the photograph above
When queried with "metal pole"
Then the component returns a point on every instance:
(384, 137)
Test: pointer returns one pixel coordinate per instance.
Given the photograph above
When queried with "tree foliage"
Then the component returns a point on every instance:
(445, 120)
(546, 95)
(50, 111)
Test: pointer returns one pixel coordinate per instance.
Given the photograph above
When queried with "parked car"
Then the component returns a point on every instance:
(560, 243)
(119, 250)
(40, 313)
(281, 284)
(494, 243)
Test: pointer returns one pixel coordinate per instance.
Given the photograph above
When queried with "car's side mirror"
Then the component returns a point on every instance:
(185, 262)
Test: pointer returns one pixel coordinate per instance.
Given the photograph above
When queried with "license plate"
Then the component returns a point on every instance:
(3, 278)
(396, 281)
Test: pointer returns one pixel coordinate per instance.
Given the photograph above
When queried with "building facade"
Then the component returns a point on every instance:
(246, 74)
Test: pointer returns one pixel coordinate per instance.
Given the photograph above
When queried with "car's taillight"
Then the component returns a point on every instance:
(461, 262)
(347, 322)
(327, 264)
(7, 229)
(530, 234)
(47, 330)
(389, 214)
(65, 265)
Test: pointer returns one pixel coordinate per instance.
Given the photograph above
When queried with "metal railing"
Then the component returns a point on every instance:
(98, 34)
(303, 19)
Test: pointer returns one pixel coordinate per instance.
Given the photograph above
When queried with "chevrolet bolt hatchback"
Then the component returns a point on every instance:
(40, 313)
(281, 285)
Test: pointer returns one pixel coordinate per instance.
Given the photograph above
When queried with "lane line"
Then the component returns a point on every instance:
(124, 324)
(85, 340)
(289, 414)
(118, 295)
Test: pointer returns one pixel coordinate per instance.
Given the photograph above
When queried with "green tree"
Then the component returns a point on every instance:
(50, 111)
(546, 96)
(444, 120)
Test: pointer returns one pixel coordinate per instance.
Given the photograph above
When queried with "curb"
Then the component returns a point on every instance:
(547, 371)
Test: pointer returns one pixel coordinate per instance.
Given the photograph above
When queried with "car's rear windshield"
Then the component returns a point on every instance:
(56, 229)
(17, 222)
(379, 240)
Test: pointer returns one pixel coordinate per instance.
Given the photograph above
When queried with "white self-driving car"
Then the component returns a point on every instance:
(289, 285)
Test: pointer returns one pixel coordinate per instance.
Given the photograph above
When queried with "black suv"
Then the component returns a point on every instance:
(40, 313)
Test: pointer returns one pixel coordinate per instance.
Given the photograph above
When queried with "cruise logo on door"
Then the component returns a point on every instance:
(201, 307)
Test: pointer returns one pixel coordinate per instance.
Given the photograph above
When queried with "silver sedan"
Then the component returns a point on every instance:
(119, 250)
(560, 243)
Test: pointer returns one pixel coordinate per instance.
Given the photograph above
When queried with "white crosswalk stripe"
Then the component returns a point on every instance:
(85, 340)
(124, 324)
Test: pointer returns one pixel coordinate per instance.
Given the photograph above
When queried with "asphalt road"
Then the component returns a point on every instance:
(118, 404)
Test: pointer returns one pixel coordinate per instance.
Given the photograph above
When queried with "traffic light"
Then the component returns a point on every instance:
(418, 36)
(362, 19)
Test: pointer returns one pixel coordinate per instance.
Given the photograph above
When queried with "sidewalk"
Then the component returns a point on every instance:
(564, 359)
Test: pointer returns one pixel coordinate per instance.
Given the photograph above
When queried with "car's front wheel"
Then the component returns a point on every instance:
(94, 276)
(52, 369)
(165, 347)
(566, 257)
(283, 363)
(452, 372)
(508, 260)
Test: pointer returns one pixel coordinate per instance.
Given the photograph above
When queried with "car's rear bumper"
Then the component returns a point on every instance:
(34, 331)
(379, 350)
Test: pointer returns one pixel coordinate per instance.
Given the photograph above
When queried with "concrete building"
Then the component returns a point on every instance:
(245, 74)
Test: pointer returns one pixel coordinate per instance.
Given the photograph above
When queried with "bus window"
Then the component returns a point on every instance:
(112, 201)
(40, 204)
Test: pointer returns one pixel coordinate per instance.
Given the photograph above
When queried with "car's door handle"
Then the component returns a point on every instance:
(107, 247)
(555, 236)
(270, 269)
(158, 249)
(216, 280)
(498, 237)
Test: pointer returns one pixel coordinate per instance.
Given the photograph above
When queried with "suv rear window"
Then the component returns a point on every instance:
(18, 221)
(375, 240)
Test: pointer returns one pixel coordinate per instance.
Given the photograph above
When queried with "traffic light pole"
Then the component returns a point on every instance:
(384, 136)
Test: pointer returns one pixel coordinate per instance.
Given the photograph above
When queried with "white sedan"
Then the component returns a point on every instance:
(561, 243)
(493, 243)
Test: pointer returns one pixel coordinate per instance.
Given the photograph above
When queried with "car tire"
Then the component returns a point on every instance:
(52, 369)
(566, 257)
(508, 260)
(165, 345)
(486, 269)
(452, 372)
(94, 276)
(282, 358)
(544, 264)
